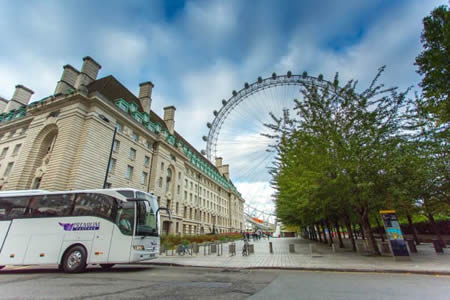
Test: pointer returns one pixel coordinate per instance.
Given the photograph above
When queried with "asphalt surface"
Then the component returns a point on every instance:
(163, 282)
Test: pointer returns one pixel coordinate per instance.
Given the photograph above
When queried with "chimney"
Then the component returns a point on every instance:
(226, 171)
(22, 96)
(145, 95)
(68, 79)
(89, 72)
(169, 118)
(219, 162)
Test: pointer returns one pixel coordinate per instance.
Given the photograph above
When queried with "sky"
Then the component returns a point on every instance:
(197, 52)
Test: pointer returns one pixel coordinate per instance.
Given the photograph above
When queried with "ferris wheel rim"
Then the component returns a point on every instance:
(250, 89)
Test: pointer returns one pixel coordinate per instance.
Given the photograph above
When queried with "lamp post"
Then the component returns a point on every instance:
(110, 156)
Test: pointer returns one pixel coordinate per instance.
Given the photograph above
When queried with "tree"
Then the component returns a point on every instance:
(434, 63)
(336, 157)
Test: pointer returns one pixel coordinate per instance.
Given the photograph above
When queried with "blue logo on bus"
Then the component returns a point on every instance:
(80, 226)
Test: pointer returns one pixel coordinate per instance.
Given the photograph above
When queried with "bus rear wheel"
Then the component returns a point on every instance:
(106, 266)
(74, 260)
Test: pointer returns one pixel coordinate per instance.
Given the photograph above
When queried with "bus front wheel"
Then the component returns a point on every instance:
(74, 260)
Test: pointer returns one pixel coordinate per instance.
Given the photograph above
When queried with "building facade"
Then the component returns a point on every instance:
(63, 142)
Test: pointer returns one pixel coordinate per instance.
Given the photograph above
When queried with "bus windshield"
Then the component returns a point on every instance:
(146, 224)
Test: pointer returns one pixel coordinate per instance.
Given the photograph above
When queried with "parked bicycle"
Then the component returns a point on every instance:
(183, 249)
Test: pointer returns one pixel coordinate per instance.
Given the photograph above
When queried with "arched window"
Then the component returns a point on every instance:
(168, 179)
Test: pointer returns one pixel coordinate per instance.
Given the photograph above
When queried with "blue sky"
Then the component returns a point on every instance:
(197, 52)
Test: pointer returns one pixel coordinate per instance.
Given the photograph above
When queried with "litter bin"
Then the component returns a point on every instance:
(438, 246)
(291, 248)
(412, 246)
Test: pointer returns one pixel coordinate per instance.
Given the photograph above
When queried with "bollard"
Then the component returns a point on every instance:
(270, 248)
(438, 246)
(204, 249)
(333, 248)
(218, 249)
(251, 248)
(412, 246)
(291, 248)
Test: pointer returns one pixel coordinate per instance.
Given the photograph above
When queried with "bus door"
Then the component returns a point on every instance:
(4, 227)
(122, 237)
(13, 239)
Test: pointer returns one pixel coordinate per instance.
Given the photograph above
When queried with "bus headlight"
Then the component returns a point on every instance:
(139, 247)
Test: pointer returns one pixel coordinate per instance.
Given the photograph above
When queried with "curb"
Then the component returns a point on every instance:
(353, 270)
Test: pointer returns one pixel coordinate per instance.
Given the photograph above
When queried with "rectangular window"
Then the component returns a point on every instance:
(132, 154)
(185, 183)
(146, 161)
(112, 166)
(4, 151)
(134, 137)
(116, 145)
(162, 166)
(129, 173)
(119, 127)
(8, 169)
(160, 182)
(178, 189)
(16, 149)
(185, 195)
(108, 185)
(148, 145)
(144, 178)
(176, 209)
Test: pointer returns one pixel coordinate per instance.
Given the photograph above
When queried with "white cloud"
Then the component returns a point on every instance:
(124, 50)
(211, 20)
(257, 194)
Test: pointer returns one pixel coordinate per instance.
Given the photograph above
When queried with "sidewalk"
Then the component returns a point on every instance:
(426, 261)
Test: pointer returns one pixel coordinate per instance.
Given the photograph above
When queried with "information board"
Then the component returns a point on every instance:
(394, 233)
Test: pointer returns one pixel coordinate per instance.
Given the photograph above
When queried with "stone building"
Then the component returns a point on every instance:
(63, 142)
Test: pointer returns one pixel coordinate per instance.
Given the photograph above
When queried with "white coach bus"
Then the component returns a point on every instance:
(75, 228)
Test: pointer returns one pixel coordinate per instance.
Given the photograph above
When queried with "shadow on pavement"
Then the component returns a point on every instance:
(91, 269)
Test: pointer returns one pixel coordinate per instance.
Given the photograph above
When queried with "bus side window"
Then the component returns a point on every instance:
(95, 205)
(51, 205)
(12, 207)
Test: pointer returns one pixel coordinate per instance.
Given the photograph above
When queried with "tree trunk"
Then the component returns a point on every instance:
(362, 231)
(380, 229)
(325, 241)
(350, 232)
(336, 225)
(318, 233)
(330, 234)
(414, 230)
(373, 247)
(355, 233)
(436, 230)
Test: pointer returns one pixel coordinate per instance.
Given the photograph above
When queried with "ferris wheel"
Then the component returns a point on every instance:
(239, 135)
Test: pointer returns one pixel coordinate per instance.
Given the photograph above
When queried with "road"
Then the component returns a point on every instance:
(162, 282)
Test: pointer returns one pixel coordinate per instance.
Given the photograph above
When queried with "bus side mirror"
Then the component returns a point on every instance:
(166, 209)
